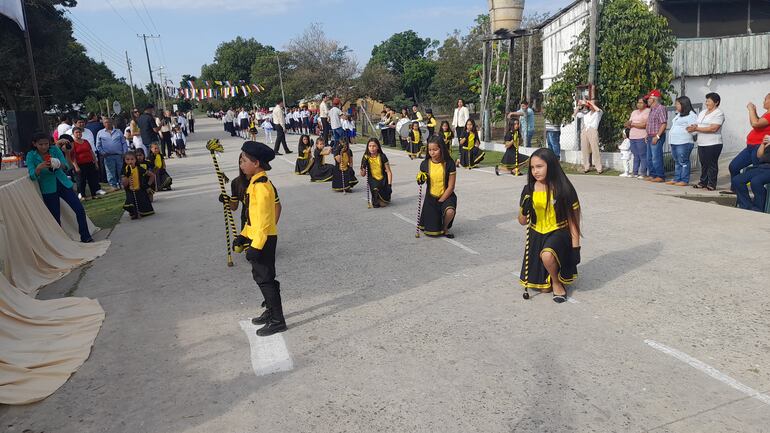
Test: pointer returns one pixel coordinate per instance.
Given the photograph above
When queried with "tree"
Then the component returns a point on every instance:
(53, 46)
(378, 83)
(399, 48)
(418, 75)
(634, 48)
(233, 61)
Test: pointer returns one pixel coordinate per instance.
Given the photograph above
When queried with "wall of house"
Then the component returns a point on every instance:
(735, 90)
(559, 36)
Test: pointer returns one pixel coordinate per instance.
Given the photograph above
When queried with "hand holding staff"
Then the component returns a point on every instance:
(213, 146)
(422, 177)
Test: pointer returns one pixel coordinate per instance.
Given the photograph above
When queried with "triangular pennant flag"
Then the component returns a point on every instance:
(218, 83)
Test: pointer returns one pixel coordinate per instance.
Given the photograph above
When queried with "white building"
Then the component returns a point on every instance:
(723, 46)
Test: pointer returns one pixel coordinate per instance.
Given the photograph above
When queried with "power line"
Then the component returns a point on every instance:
(84, 30)
(121, 16)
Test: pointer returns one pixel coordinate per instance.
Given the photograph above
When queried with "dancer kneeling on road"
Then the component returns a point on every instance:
(321, 172)
(260, 236)
(344, 177)
(136, 180)
(439, 172)
(550, 206)
(376, 169)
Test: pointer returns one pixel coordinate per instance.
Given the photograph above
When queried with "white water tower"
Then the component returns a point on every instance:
(505, 15)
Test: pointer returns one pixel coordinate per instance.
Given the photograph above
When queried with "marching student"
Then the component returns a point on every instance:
(136, 182)
(180, 142)
(320, 172)
(344, 177)
(304, 155)
(268, 127)
(259, 237)
(446, 134)
(253, 131)
(440, 203)
(470, 152)
(162, 178)
(379, 177)
(512, 159)
(549, 206)
(414, 147)
(430, 122)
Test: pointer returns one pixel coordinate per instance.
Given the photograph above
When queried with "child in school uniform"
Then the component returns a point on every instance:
(142, 162)
(414, 147)
(470, 152)
(259, 237)
(180, 142)
(268, 127)
(376, 169)
(625, 154)
(550, 209)
(439, 206)
(162, 178)
(512, 159)
(446, 134)
(136, 181)
(430, 122)
(304, 155)
(253, 131)
(321, 172)
(344, 177)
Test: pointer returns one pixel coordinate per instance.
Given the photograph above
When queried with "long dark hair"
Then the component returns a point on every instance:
(375, 141)
(558, 186)
(438, 141)
(473, 129)
(448, 127)
(684, 101)
(302, 140)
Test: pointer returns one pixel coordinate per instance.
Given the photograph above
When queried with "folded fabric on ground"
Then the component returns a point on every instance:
(42, 342)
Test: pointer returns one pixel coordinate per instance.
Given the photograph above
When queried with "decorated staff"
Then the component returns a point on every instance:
(421, 178)
(214, 146)
(368, 188)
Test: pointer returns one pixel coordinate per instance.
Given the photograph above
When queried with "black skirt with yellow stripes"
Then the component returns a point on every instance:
(349, 179)
(534, 275)
(433, 212)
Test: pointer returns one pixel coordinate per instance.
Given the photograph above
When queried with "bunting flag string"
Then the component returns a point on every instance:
(218, 89)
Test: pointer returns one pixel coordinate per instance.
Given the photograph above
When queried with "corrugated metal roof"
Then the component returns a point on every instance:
(714, 56)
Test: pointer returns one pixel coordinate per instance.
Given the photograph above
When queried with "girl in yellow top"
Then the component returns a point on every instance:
(344, 177)
(470, 152)
(304, 155)
(512, 159)
(136, 181)
(376, 169)
(549, 206)
(440, 204)
(414, 147)
(320, 172)
(162, 179)
(446, 134)
(430, 122)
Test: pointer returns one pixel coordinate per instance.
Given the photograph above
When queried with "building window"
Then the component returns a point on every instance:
(723, 18)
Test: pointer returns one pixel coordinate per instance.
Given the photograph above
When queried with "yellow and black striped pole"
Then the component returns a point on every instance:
(368, 185)
(214, 146)
(526, 261)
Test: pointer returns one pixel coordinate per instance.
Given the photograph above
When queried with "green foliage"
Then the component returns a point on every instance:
(418, 76)
(451, 82)
(633, 56)
(378, 83)
(235, 60)
(400, 48)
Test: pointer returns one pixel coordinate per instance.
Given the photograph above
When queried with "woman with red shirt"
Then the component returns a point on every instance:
(760, 126)
(86, 165)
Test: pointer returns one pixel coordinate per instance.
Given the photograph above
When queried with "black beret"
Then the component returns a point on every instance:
(260, 151)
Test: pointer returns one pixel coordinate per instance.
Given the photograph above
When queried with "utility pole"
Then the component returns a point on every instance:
(162, 90)
(38, 104)
(280, 80)
(509, 78)
(592, 44)
(529, 70)
(130, 81)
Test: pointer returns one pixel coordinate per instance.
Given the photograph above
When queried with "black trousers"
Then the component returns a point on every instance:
(327, 129)
(166, 146)
(192, 125)
(89, 175)
(459, 132)
(263, 271)
(280, 137)
(709, 162)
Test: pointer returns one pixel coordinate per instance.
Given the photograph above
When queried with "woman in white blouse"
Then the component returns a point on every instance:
(709, 141)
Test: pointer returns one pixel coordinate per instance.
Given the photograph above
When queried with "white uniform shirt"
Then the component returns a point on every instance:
(591, 119)
(334, 118)
(323, 109)
(278, 116)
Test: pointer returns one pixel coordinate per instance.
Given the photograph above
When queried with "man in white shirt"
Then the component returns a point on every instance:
(323, 112)
(591, 115)
(335, 120)
(191, 121)
(459, 119)
(87, 134)
(279, 124)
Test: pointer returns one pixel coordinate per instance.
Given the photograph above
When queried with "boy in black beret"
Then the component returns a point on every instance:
(260, 235)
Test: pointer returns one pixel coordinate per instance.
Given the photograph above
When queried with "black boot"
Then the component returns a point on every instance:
(271, 327)
(262, 319)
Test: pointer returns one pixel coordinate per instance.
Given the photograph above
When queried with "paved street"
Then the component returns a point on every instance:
(666, 332)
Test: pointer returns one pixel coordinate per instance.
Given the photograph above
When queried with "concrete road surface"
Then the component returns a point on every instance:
(666, 331)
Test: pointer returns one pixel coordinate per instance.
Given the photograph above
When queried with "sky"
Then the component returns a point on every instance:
(190, 31)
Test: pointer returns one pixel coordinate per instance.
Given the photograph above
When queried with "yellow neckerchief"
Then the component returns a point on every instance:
(133, 176)
(375, 167)
(470, 142)
(416, 136)
(436, 173)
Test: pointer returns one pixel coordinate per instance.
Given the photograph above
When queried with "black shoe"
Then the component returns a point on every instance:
(262, 319)
(497, 171)
(449, 235)
(560, 298)
(289, 151)
(272, 327)
(278, 153)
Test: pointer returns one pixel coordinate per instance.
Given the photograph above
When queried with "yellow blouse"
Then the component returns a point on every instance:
(344, 161)
(471, 141)
(437, 186)
(261, 212)
(134, 179)
(375, 167)
(416, 137)
(158, 161)
(546, 213)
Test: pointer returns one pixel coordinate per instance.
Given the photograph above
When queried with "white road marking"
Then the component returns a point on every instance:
(183, 193)
(286, 159)
(451, 241)
(268, 354)
(709, 370)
